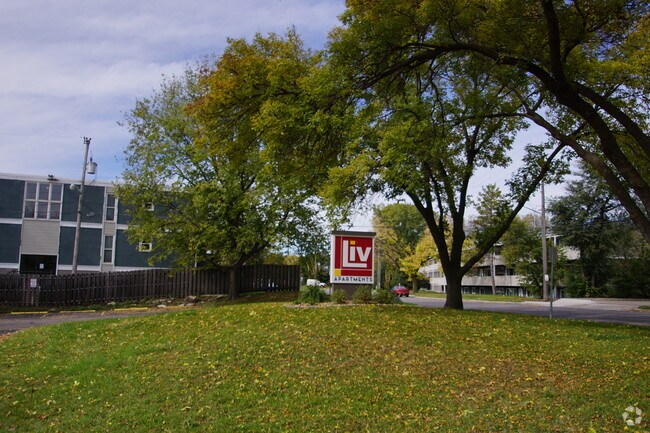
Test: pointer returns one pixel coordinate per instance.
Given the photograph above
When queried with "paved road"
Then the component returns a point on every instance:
(15, 322)
(598, 310)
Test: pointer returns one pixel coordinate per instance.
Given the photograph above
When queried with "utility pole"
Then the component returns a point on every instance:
(493, 272)
(544, 256)
(552, 291)
(492, 267)
(75, 251)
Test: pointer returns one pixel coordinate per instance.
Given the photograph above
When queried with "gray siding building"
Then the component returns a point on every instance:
(38, 217)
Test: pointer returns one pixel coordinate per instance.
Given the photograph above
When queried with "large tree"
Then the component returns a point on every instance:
(204, 150)
(579, 67)
(425, 135)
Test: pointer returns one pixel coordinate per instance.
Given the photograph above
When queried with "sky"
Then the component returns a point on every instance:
(72, 68)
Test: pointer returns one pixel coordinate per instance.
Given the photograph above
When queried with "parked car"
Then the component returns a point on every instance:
(401, 291)
(312, 282)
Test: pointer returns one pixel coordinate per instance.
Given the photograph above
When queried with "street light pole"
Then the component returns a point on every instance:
(75, 251)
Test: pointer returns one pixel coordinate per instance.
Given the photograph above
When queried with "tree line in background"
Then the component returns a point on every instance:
(597, 250)
(613, 258)
(257, 148)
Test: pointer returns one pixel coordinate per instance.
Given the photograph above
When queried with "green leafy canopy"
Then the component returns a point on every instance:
(206, 150)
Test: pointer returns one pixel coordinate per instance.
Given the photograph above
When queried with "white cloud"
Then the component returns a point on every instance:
(72, 67)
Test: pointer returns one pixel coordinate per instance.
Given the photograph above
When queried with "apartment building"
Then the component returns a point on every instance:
(38, 216)
(479, 279)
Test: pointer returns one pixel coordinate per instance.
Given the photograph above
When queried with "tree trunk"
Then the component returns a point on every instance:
(454, 295)
(234, 281)
(414, 285)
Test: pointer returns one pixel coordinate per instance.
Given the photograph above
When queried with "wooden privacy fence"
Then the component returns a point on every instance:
(99, 288)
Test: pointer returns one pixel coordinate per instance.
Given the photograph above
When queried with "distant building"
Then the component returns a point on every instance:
(38, 217)
(479, 280)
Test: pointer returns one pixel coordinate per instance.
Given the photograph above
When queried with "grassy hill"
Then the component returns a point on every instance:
(264, 367)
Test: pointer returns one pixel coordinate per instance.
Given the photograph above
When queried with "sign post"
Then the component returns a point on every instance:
(352, 260)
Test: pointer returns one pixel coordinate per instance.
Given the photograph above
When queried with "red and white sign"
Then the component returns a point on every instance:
(352, 260)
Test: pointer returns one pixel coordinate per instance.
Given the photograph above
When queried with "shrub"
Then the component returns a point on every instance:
(362, 295)
(338, 296)
(312, 295)
(577, 286)
(630, 277)
(385, 296)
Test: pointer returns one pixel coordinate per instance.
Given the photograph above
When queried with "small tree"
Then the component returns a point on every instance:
(425, 250)
(399, 228)
(492, 209)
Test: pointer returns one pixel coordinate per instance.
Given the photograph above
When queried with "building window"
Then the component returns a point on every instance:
(483, 272)
(145, 247)
(108, 249)
(43, 200)
(110, 207)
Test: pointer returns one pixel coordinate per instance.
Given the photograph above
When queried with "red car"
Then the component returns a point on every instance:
(400, 291)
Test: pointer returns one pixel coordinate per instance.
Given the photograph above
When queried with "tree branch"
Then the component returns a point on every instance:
(630, 126)
(637, 215)
(532, 186)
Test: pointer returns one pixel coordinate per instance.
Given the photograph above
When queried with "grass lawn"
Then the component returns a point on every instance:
(466, 297)
(256, 367)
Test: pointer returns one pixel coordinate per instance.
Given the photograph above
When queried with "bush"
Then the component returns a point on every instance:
(385, 296)
(338, 296)
(577, 286)
(363, 295)
(630, 277)
(312, 295)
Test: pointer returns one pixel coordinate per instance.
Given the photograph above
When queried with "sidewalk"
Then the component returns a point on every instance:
(601, 303)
